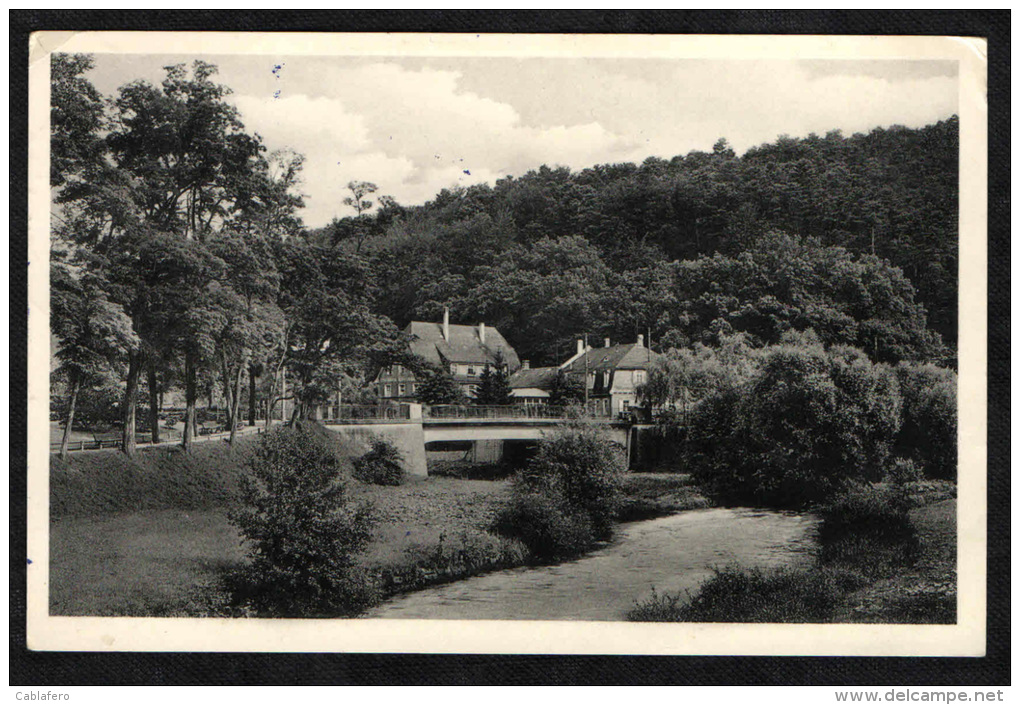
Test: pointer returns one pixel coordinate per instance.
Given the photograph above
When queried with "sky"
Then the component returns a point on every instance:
(414, 126)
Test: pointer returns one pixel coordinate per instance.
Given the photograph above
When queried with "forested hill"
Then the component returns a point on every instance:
(611, 249)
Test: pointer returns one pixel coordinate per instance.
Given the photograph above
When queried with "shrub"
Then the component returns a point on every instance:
(755, 595)
(928, 433)
(866, 511)
(473, 552)
(903, 471)
(581, 470)
(550, 530)
(811, 420)
(302, 530)
(383, 465)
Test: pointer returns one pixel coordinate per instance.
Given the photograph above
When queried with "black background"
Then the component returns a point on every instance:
(39, 668)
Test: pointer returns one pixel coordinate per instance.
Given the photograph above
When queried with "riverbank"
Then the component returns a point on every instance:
(878, 562)
(114, 551)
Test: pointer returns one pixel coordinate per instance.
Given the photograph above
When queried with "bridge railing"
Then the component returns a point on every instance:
(368, 412)
(460, 411)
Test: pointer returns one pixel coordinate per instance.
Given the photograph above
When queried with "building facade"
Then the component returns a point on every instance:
(463, 350)
(612, 375)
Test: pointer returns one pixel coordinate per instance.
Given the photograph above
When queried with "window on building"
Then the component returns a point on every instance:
(471, 371)
(403, 389)
(386, 390)
(639, 377)
(626, 404)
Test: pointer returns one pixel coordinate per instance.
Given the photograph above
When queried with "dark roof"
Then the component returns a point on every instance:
(617, 357)
(464, 345)
(535, 378)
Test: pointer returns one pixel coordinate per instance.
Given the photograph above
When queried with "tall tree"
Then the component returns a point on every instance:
(186, 147)
(93, 334)
(327, 296)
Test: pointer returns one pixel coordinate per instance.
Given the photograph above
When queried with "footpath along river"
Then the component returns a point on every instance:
(671, 554)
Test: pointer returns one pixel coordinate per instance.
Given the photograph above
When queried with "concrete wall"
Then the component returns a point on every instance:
(408, 438)
(487, 437)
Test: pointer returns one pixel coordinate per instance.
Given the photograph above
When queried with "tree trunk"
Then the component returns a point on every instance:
(153, 401)
(252, 377)
(190, 399)
(236, 408)
(131, 403)
(228, 397)
(69, 421)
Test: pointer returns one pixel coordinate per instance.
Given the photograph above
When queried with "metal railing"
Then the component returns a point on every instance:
(366, 412)
(459, 411)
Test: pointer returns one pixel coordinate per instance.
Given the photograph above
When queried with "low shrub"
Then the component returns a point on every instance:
(545, 525)
(872, 511)
(867, 527)
(647, 496)
(472, 553)
(383, 465)
(302, 530)
(755, 595)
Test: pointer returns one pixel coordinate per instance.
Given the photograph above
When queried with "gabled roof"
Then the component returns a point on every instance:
(630, 356)
(464, 345)
(535, 378)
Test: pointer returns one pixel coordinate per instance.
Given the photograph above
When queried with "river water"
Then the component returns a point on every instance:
(671, 555)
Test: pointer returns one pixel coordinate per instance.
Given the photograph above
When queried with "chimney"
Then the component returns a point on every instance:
(607, 342)
(481, 333)
(640, 341)
(525, 364)
(580, 346)
(446, 323)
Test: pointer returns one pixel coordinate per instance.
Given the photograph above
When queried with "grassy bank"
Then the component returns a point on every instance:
(652, 495)
(94, 483)
(885, 556)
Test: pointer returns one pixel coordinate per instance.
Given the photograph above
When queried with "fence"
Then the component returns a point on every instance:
(202, 433)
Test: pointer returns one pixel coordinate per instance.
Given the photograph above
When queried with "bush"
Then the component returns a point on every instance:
(581, 470)
(550, 530)
(866, 511)
(809, 421)
(383, 465)
(903, 471)
(928, 432)
(778, 595)
(471, 553)
(302, 531)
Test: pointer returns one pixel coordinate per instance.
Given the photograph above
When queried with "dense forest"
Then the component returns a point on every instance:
(179, 259)
(608, 249)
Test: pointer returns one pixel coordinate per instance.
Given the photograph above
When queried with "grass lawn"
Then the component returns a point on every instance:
(160, 562)
(149, 563)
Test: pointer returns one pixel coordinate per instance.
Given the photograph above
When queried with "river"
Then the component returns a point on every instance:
(671, 554)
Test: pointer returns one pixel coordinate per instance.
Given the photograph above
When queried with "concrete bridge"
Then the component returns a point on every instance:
(412, 427)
